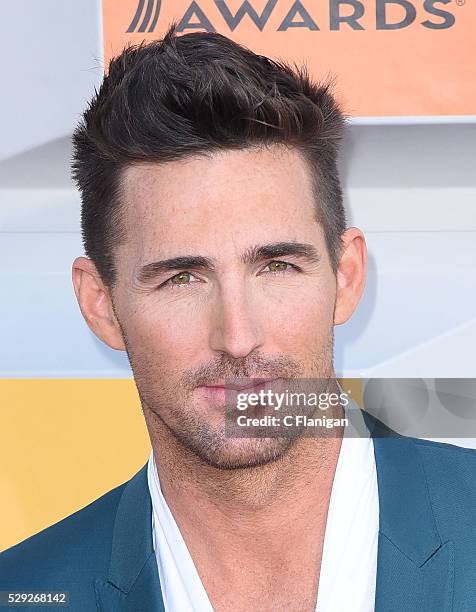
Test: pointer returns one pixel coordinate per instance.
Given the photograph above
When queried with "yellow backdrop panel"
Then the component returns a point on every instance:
(63, 443)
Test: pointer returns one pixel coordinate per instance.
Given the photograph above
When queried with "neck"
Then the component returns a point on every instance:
(246, 504)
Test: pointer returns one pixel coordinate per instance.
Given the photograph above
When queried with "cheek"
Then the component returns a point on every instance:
(164, 336)
(301, 316)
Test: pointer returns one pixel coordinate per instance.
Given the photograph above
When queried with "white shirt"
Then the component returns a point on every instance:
(349, 557)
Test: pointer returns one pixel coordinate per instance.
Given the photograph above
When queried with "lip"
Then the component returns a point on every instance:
(259, 382)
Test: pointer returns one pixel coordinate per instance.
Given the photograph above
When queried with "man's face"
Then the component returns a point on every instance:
(252, 294)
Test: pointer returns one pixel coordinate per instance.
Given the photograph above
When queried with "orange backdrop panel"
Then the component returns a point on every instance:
(413, 70)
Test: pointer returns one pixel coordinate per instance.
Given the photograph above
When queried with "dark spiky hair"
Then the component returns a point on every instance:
(192, 94)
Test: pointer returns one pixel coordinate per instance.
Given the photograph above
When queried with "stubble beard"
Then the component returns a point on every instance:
(168, 408)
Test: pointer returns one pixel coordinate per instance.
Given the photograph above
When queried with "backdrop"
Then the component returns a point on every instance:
(392, 57)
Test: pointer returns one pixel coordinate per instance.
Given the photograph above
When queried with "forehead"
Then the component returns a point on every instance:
(251, 193)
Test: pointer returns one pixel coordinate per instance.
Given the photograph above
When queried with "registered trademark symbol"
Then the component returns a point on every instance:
(460, 2)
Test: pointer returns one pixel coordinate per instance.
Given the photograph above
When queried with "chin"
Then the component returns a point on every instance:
(239, 453)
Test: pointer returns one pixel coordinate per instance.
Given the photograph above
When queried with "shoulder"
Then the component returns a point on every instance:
(446, 467)
(439, 454)
(72, 550)
(446, 472)
(433, 456)
(451, 465)
(450, 474)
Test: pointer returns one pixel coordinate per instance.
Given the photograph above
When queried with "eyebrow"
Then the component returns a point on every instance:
(252, 255)
(154, 269)
(301, 250)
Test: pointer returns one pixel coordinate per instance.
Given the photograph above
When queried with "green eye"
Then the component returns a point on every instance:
(182, 278)
(278, 266)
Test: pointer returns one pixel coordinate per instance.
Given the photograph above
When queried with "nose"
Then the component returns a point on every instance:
(236, 327)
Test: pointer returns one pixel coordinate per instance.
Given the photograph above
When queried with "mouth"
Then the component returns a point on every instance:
(255, 383)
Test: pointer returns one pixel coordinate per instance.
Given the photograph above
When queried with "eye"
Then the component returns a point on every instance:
(182, 278)
(280, 266)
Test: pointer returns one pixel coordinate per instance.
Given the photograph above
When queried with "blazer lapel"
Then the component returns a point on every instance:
(133, 580)
(415, 568)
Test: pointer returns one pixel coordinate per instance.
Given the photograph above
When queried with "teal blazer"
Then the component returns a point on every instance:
(103, 556)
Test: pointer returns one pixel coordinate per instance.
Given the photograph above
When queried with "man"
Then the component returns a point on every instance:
(218, 251)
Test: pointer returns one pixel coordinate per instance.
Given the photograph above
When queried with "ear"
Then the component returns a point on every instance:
(95, 303)
(351, 274)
